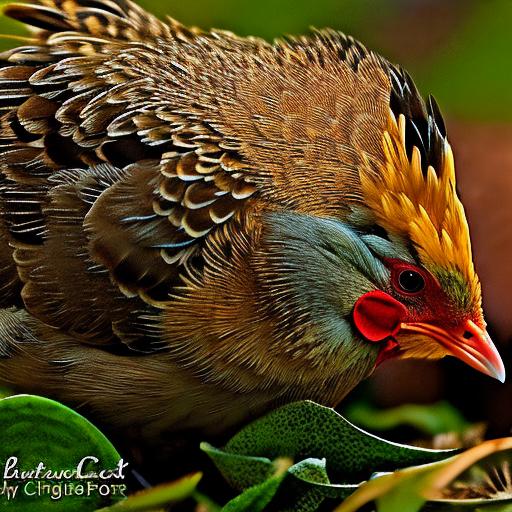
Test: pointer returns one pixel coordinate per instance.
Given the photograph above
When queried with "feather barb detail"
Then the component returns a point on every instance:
(421, 206)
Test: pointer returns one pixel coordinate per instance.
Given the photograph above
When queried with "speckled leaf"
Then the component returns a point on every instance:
(36, 429)
(241, 471)
(307, 480)
(304, 429)
(309, 484)
(326, 447)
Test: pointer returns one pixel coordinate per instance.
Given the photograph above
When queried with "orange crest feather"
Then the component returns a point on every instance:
(425, 209)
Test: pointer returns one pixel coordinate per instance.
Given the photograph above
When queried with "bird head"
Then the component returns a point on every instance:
(431, 306)
(396, 272)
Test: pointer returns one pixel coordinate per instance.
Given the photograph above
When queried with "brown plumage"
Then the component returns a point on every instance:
(142, 164)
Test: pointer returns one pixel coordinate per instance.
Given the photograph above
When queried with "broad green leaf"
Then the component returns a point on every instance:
(325, 446)
(241, 471)
(307, 430)
(157, 496)
(309, 484)
(430, 419)
(35, 429)
(410, 488)
(306, 481)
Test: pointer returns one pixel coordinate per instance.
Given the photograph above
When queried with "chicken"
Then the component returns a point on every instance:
(197, 227)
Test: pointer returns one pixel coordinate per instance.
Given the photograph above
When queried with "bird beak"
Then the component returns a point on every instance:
(468, 343)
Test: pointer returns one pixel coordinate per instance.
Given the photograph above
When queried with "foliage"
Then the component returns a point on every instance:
(293, 459)
(323, 444)
(408, 489)
(303, 454)
(36, 429)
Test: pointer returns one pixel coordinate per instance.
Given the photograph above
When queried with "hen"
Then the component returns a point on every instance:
(198, 227)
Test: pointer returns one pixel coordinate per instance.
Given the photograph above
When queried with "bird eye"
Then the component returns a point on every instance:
(411, 281)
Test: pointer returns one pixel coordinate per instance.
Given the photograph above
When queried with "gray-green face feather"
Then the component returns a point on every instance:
(321, 267)
(323, 252)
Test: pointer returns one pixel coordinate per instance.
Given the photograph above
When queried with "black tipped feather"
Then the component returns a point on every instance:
(425, 128)
(38, 16)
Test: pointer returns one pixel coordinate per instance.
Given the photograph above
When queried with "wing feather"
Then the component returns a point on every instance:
(109, 189)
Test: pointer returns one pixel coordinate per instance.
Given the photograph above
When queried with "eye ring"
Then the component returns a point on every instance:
(411, 281)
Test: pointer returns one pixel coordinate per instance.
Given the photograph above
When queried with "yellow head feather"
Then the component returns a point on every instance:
(423, 208)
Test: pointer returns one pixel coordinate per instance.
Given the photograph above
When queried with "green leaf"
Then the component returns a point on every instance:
(307, 482)
(157, 496)
(430, 419)
(35, 429)
(408, 489)
(241, 471)
(257, 497)
(325, 446)
(307, 430)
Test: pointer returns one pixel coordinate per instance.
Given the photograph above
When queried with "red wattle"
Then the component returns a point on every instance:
(377, 316)
(390, 349)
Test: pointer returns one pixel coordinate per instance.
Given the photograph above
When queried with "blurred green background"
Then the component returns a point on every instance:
(460, 51)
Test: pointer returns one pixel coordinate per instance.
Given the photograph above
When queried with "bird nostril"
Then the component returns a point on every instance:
(467, 335)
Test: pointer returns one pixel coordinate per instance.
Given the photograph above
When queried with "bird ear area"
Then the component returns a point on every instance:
(378, 316)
